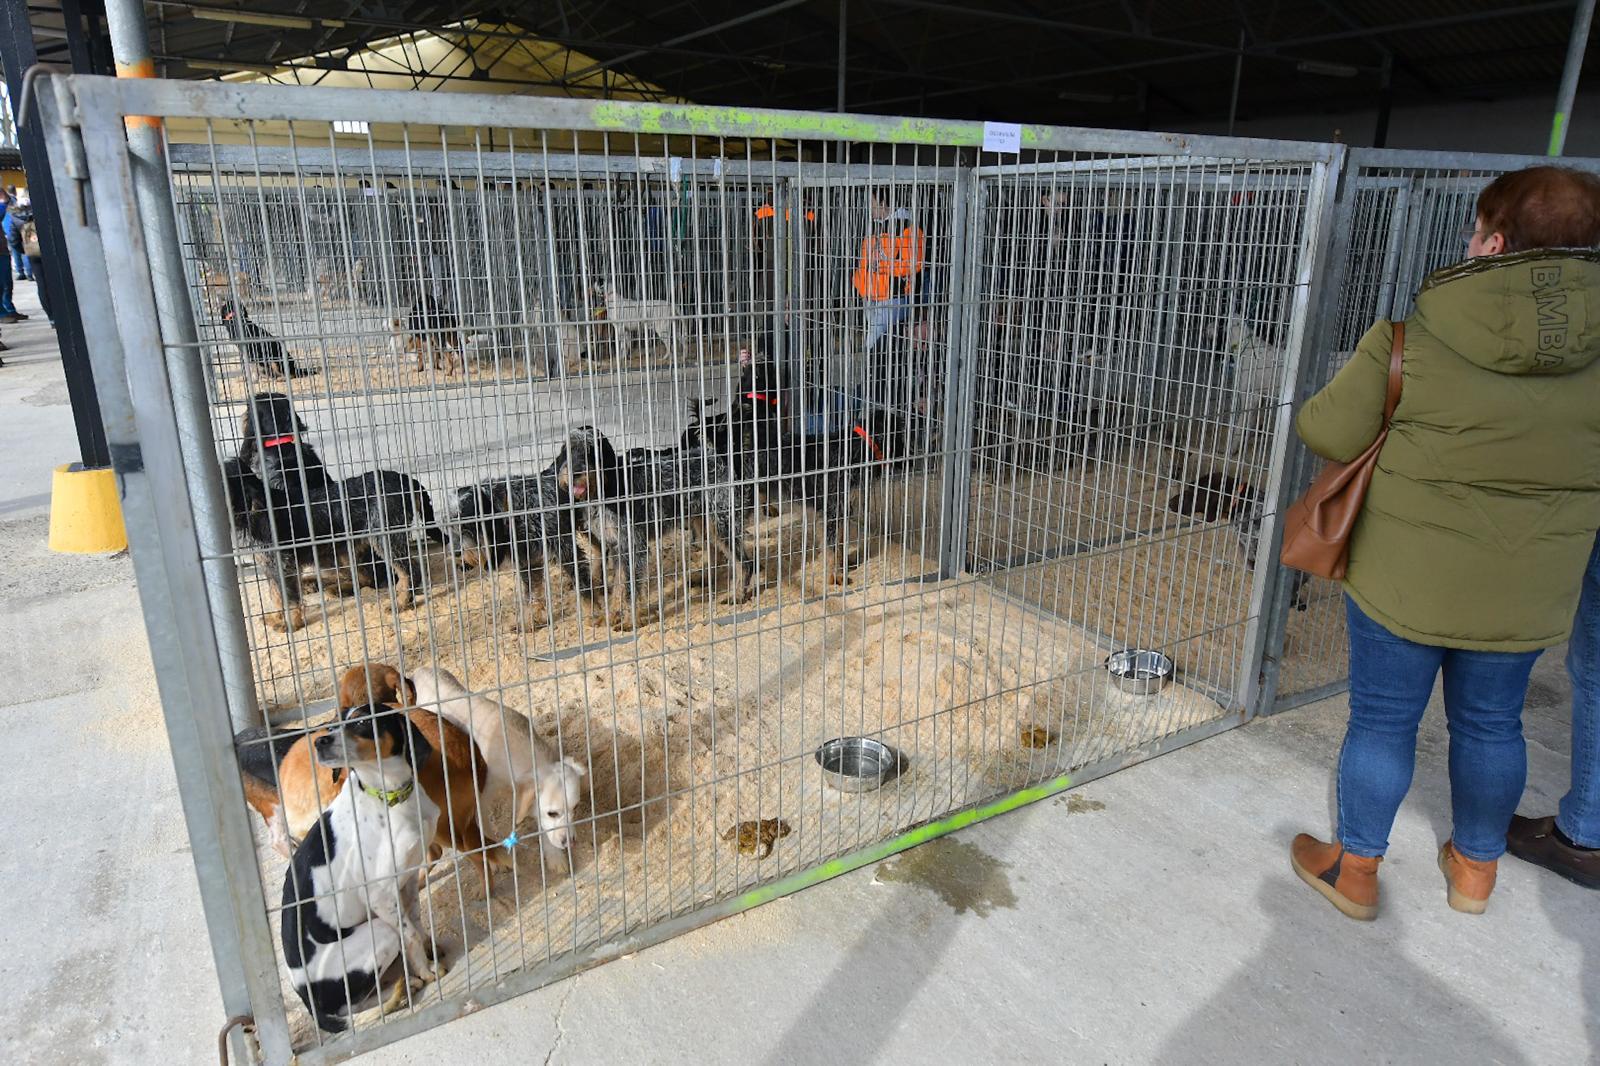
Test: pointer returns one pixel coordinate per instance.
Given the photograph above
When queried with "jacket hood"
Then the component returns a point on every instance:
(1534, 312)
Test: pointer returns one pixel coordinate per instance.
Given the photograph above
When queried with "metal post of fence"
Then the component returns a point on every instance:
(1256, 686)
(1577, 44)
(1394, 249)
(130, 44)
(1322, 326)
(794, 225)
(955, 438)
(780, 281)
(144, 442)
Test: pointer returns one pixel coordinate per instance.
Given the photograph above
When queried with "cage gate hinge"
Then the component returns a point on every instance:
(76, 165)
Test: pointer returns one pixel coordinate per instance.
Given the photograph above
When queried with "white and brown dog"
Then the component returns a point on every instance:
(350, 895)
(290, 787)
(520, 764)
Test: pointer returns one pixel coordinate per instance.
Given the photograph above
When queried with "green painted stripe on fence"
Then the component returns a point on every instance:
(909, 839)
(715, 121)
(1557, 130)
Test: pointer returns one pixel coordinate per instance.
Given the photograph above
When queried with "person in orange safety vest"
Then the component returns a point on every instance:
(892, 255)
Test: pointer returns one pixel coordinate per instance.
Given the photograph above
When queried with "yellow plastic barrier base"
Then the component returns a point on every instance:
(85, 511)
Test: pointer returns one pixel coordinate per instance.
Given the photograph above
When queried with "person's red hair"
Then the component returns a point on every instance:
(1542, 207)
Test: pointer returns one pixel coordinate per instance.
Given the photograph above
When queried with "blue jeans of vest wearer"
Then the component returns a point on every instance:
(1579, 814)
(1391, 679)
(19, 258)
(883, 316)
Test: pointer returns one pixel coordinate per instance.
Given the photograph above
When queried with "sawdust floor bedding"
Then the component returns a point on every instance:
(684, 745)
(695, 725)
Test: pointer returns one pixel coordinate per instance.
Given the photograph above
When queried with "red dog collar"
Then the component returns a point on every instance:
(763, 397)
(273, 442)
(861, 431)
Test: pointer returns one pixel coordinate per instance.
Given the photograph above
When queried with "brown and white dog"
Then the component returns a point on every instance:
(286, 784)
(455, 781)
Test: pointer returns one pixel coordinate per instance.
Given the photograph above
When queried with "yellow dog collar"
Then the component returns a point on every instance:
(392, 796)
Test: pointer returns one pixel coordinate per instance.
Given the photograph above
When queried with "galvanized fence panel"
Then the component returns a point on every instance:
(1400, 216)
(1137, 322)
(872, 481)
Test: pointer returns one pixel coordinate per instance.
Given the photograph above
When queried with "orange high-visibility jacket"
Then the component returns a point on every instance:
(885, 256)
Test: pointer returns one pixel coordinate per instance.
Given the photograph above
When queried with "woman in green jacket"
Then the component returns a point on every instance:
(1472, 543)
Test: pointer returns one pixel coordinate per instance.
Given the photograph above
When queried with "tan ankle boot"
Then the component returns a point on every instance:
(1470, 881)
(1350, 882)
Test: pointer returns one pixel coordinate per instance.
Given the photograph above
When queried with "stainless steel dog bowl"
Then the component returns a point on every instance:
(1139, 671)
(858, 764)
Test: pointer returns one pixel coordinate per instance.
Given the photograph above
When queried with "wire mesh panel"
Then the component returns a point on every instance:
(1402, 215)
(395, 267)
(1131, 357)
(640, 513)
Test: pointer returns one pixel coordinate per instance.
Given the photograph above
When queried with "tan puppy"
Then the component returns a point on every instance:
(285, 784)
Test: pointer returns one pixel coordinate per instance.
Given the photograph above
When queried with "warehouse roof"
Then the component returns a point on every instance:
(1093, 62)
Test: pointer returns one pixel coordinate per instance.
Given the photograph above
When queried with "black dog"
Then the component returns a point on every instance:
(636, 499)
(819, 472)
(259, 346)
(525, 520)
(1216, 496)
(430, 330)
(285, 503)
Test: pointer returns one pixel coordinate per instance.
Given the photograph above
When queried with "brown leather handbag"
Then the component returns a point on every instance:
(1317, 526)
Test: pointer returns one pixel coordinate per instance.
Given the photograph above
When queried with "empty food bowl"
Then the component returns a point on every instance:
(1139, 671)
(857, 764)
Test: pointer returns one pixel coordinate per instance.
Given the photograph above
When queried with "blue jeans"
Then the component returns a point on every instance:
(6, 306)
(1579, 814)
(882, 316)
(1391, 679)
(19, 259)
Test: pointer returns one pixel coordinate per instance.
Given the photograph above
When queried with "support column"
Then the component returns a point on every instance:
(1577, 44)
(17, 54)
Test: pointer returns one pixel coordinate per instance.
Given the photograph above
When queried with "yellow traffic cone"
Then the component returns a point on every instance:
(85, 511)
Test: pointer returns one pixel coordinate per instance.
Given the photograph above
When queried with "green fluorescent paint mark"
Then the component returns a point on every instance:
(1556, 129)
(909, 839)
(708, 121)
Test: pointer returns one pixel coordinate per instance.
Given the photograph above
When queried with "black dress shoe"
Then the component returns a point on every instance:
(1534, 840)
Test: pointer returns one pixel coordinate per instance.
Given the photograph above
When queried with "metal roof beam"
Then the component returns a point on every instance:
(1433, 22)
(684, 38)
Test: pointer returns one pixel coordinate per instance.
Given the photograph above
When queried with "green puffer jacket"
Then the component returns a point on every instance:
(1484, 506)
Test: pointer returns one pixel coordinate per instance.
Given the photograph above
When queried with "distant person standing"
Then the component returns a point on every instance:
(35, 258)
(17, 214)
(8, 310)
(892, 255)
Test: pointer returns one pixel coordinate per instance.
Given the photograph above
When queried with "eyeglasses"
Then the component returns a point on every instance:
(1467, 233)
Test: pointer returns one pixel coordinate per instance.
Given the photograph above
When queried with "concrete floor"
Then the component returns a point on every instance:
(1147, 917)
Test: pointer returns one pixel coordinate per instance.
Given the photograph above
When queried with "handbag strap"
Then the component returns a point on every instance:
(1396, 358)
